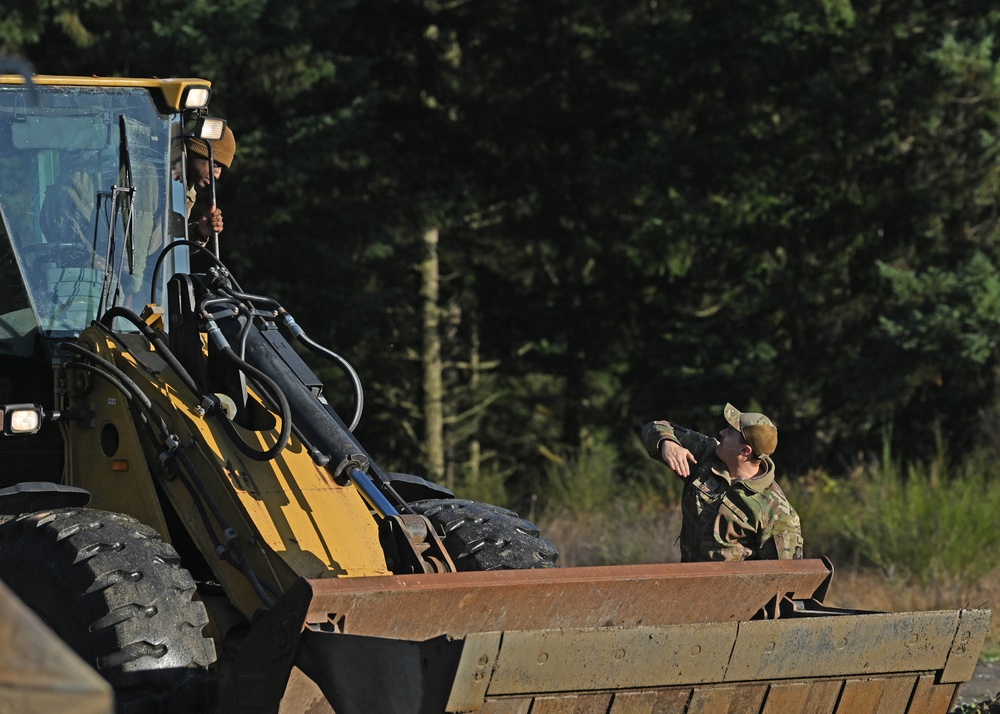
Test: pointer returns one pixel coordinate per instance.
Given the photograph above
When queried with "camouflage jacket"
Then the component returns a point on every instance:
(726, 519)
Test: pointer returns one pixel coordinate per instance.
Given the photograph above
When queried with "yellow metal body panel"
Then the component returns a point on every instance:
(89, 465)
(290, 518)
(170, 89)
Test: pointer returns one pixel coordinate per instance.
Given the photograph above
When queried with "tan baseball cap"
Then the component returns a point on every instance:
(758, 431)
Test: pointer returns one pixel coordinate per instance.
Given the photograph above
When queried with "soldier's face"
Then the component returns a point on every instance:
(730, 446)
(199, 170)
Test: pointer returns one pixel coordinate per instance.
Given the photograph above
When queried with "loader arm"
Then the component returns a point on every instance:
(229, 423)
(265, 523)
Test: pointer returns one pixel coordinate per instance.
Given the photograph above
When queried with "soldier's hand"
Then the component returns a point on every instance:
(677, 457)
(210, 223)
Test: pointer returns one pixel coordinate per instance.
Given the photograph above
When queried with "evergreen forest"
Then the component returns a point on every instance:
(534, 226)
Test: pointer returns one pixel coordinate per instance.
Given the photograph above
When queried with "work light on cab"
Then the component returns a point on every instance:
(196, 97)
(22, 419)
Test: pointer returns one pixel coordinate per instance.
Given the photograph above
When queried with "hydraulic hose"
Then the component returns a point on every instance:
(188, 475)
(177, 244)
(154, 339)
(150, 334)
(299, 334)
(275, 392)
(321, 425)
(118, 379)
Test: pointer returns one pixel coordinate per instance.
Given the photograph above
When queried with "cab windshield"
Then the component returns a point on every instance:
(91, 190)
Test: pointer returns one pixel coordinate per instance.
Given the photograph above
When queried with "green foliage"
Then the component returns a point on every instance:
(954, 313)
(585, 481)
(484, 485)
(627, 531)
(922, 522)
(816, 497)
(594, 482)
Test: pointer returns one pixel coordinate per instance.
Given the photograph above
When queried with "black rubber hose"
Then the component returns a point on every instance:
(347, 368)
(300, 335)
(121, 381)
(177, 244)
(164, 351)
(320, 423)
(275, 392)
(154, 339)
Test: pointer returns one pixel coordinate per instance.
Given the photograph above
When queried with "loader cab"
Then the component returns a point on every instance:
(91, 193)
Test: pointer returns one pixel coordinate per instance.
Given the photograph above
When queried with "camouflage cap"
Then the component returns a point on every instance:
(757, 430)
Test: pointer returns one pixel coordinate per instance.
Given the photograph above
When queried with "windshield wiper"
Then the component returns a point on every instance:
(123, 207)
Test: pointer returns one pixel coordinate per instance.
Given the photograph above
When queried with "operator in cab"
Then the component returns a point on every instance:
(199, 170)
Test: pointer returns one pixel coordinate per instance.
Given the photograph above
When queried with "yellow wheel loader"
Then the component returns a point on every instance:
(183, 507)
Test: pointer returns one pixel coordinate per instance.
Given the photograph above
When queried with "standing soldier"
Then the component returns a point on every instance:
(732, 507)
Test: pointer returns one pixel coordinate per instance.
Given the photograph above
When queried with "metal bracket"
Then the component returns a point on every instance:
(417, 547)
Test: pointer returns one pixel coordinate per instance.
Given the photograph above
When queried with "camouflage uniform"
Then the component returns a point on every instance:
(726, 519)
(69, 214)
(70, 209)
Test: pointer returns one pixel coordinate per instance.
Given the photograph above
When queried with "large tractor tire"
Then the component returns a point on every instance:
(116, 593)
(480, 536)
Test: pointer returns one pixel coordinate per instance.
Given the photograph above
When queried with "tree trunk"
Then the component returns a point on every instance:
(433, 369)
(475, 453)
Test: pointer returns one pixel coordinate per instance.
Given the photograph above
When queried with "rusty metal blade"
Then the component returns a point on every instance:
(420, 607)
(620, 639)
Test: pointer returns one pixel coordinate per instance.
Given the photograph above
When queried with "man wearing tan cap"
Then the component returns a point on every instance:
(732, 507)
(199, 170)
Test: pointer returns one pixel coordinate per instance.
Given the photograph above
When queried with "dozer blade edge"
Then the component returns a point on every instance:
(720, 637)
